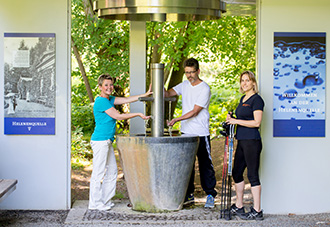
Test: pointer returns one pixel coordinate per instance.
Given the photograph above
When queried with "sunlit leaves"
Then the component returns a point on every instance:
(103, 44)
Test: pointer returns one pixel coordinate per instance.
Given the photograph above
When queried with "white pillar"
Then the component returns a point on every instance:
(294, 171)
(40, 163)
(137, 69)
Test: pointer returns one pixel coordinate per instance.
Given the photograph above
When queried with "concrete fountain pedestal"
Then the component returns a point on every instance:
(157, 170)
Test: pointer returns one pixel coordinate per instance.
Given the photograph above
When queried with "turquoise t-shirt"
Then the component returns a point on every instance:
(105, 126)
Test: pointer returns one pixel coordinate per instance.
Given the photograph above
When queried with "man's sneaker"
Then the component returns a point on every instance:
(189, 200)
(209, 202)
(253, 215)
(234, 210)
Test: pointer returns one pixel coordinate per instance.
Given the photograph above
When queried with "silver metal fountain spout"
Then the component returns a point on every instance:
(158, 100)
(157, 107)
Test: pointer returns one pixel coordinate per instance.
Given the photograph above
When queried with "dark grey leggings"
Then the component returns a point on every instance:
(247, 156)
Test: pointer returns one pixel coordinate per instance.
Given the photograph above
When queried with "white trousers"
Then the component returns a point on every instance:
(104, 175)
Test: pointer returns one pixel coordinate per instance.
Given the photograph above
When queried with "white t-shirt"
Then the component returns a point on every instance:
(195, 95)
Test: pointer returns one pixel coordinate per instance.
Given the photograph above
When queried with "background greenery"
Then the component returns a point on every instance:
(224, 47)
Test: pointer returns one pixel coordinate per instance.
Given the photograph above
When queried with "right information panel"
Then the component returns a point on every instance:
(299, 75)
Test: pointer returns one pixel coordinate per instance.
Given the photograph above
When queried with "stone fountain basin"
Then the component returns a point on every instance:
(157, 169)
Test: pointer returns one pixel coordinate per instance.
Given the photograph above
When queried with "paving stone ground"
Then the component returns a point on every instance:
(121, 216)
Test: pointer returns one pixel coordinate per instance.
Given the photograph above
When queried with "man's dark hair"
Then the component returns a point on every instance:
(191, 62)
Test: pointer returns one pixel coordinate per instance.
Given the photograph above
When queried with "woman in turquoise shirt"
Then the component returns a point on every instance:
(104, 175)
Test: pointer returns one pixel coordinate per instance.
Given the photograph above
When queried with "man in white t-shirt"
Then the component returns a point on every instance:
(195, 120)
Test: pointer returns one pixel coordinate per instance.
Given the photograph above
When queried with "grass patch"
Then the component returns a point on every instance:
(119, 196)
(77, 165)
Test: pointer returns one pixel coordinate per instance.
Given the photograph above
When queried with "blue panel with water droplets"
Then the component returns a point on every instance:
(299, 84)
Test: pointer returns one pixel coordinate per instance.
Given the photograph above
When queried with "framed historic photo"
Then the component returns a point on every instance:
(29, 83)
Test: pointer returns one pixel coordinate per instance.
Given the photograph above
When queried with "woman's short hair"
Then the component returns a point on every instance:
(252, 78)
(105, 77)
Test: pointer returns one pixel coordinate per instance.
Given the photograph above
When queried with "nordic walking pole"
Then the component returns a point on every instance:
(224, 188)
(224, 175)
(230, 167)
(227, 170)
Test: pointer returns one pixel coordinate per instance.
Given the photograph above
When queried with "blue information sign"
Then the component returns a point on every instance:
(299, 75)
(40, 126)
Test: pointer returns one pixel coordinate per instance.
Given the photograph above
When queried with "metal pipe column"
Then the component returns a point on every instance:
(157, 74)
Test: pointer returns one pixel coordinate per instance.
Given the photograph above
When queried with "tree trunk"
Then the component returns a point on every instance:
(176, 76)
(155, 57)
(88, 7)
(83, 72)
(175, 79)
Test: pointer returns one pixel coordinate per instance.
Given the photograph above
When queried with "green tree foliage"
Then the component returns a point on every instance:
(103, 46)
(80, 149)
(99, 46)
(225, 47)
(229, 41)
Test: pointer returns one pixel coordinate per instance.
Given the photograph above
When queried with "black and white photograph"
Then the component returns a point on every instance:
(29, 83)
